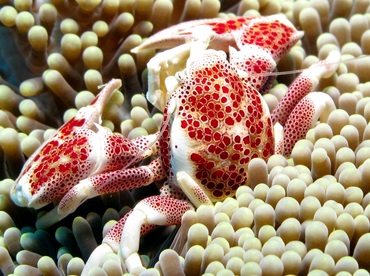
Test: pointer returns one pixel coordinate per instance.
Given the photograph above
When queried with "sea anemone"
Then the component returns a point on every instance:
(306, 213)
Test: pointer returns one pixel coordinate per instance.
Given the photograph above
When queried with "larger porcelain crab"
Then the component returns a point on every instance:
(215, 122)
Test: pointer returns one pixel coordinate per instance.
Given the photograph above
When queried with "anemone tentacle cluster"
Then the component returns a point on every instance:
(304, 214)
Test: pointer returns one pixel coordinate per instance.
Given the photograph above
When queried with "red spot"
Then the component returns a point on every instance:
(235, 156)
(224, 155)
(238, 147)
(214, 123)
(217, 174)
(204, 118)
(229, 121)
(184, 124)
(220, 115)
(211, 148)
(217, 193)
(199, 89)
(191, 134)
(226, 140)
(210, 165)
(246, 140)
(211, 185)
(64, 167)
(197, 158)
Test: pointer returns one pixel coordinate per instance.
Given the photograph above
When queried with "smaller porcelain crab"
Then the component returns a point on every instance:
(215, 122)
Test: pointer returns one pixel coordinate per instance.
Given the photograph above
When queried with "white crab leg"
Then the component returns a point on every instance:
(304, 116)
(103, 183)
(192, 190)
(158, 210)
(304, 84)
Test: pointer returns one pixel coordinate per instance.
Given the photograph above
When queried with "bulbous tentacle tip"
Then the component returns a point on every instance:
(96, 257)
(49, 219)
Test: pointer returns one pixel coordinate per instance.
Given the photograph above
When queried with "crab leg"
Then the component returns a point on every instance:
(111, 242)
(156, 210)
(103, 183)
(192, 190)
(304, 116)
(302, 112)
(303, 85)
(124, 237)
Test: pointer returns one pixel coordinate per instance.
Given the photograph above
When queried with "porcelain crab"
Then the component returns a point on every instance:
(215, 122)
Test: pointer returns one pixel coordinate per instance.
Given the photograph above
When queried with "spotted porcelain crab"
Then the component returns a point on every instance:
(215, 122)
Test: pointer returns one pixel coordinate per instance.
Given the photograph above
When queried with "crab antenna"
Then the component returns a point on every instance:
(298, 71)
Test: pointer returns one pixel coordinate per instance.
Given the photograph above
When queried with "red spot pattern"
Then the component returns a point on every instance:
(62, 162)
(255, 62)
(227, 121)
(172, 208)
(229, 25)
(119, 151)
(127, 179)
(114, 235)
(301, 86)
(271, 34)
(298, 123)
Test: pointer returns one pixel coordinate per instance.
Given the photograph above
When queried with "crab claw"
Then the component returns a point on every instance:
(102, 183)
(64, 159)
(216, 30)
(83, 160)
(275, 33)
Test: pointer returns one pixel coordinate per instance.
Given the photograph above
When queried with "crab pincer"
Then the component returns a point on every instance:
(77, 162)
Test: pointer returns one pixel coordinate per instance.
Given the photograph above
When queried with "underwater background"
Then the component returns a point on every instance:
(307, 213)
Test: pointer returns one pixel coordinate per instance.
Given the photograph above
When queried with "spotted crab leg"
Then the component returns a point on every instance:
(111, 243)
(163, 209)
(303, 85)
(311, 107)
(103, 183)
(156, 210)
(304, 116)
